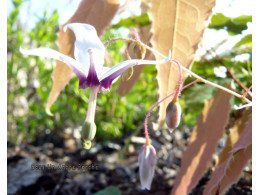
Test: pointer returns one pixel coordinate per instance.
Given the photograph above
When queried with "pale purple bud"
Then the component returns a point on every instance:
(173, 115)
(147, 161)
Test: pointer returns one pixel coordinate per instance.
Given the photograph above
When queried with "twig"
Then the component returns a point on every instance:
(230, 73)
(233, 76)
(200, 79)
(238, 82)
(247, 91)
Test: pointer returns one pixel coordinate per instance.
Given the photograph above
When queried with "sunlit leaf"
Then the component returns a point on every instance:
(133, 21)
(243, 19)
(202, 142)
(246, 40)
(177, 26)
(232, 25)
(234, 156)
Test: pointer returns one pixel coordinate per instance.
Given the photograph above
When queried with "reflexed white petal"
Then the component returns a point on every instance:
(50, 53)
(121, 67)
(87, 38)
(104, 71)
(244, 106)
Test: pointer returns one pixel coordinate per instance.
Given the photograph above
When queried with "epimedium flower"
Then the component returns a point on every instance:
(147, 160)
(88, 65)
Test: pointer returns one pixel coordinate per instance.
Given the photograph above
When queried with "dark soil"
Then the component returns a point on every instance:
(56, 164)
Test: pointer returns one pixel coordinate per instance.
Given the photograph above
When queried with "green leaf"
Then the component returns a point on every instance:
(133, 20)
(218, 19)
(198, 94)
(246, 40)
(17, 3)
(243, 19)
(54, 17)
(232, 25)
(111, 190)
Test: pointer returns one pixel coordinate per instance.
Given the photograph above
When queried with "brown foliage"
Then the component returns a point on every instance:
(203, 141)
(234, 156)
(177, 26)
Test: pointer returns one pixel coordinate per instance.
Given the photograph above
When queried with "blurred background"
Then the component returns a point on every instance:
(227, 43)
(224, 57)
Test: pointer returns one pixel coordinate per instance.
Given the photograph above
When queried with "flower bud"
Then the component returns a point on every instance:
(127, 74)
(173, 115)
(139, 52)
(88, 133)
(147, 161)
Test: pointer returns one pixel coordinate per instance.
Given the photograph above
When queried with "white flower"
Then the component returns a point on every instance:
(89, 54)
(147, 161)
(88, 65)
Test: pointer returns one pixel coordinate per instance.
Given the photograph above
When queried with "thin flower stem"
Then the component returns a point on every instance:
(147, 139)
(136, 34)
(148, 114)
(189, 84)
(200, 79)
(156, 105)
(113, 40)
(127, 51)
(179, 83)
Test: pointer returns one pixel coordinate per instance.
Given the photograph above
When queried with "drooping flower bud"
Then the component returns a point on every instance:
(139, 51)
(127, 74)
(147, 161)
(88, 133)
(173, 115)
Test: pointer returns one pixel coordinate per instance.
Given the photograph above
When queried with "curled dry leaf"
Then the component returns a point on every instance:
(234, 156)
(97, 13)
(177, 25)
(203, 142)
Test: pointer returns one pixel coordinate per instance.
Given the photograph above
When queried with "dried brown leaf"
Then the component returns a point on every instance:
(235, 133)
(234, 156)
(203, 141)
(177, 25)
(98, 13)
(238, 161)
